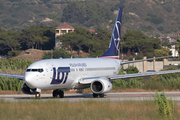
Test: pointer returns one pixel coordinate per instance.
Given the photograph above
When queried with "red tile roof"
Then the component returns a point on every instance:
(64, 25)
(178, 32)
(92, 31)
(173, 35)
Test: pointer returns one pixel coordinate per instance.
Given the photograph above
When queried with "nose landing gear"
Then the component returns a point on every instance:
(38, 95)
(57, 93)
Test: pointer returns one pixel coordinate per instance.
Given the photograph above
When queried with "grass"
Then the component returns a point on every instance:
(45, 110)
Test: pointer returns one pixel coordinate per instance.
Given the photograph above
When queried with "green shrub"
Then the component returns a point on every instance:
(44, 1)
(168, 7)
(154, 19)
(49, 5)
(15, 3)
(1, 64)
(10, 21)
(58, 53)
(14, 53)
(130, 58)
(161, 28)
(15, 0)
(122, 84)
(40, 2)
(131, 70)
(139, 56)
(164, 107)
(33, 3)
(8, 3)
(10, 84)
(14, 64)
(120, 72)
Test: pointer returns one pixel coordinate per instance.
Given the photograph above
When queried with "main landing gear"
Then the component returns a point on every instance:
(57, 93)
(96, 95)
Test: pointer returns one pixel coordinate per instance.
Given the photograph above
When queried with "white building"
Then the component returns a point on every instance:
(174, 51)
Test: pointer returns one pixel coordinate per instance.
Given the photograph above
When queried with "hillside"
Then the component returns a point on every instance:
(152, 17)
(31, 54)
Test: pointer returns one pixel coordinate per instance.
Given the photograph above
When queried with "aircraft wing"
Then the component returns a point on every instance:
(111, 77)
(133, 61)
(20, 77)
(141, 74)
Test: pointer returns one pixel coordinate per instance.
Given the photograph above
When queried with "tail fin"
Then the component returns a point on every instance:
(114, 46)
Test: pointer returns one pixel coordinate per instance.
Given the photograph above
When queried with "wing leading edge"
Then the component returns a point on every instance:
(127, 62)
(112, 77)
(20, 77)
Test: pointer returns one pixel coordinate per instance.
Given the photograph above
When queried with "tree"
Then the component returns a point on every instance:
(162, 52)
(135, 41)
(81, 39)
(88, 14)
(37, 37)
(57, 53)
(131, 70)
(9, 40)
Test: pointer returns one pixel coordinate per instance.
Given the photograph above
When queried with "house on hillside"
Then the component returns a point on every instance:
(166, 39)
(175, 36)
(63, 29)
(60, 30)
(171, 39)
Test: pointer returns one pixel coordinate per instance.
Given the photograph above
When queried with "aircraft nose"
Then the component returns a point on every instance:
(29, 79)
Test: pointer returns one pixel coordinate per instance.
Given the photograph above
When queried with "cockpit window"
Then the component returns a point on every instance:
(40, 70)
(28, 70)
(35, 70)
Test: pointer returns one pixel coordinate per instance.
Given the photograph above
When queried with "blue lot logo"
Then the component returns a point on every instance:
(62, 75)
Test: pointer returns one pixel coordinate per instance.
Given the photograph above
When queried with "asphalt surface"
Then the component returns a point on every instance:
(77, 97)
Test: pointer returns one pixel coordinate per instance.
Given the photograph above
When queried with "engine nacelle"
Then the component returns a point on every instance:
(27, 90)
(101, 86)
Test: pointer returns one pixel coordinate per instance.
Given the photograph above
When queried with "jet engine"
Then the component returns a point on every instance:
(101, 86)
(27, 90)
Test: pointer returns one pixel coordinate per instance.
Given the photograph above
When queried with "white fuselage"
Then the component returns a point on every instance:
(65, 73)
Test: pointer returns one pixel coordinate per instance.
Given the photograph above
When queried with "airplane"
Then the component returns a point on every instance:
(80, 73)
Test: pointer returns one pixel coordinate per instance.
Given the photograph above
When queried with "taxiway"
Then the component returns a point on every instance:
(78, 97)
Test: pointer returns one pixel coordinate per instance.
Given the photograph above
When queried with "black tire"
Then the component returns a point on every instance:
(101, 95)
(61, 94)
(95, 95)
(55, 93)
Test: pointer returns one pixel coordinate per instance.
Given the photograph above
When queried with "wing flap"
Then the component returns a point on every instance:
(20, 77)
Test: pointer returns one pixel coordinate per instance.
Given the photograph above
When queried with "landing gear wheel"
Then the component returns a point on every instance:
(95, 95)
(101, 95)
(55, 93)
(37, 96)
(61, 94)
